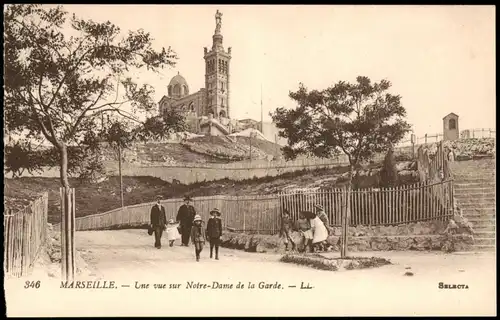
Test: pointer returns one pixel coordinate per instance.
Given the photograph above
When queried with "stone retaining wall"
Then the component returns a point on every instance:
(421, 236)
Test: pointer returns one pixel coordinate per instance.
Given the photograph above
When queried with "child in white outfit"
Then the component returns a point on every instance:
(172, 231)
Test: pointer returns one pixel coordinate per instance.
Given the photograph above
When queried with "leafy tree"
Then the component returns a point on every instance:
(161, 127)
(21, 157)
(58, 85)
(358, 119)
(389, 172)
(118, 136)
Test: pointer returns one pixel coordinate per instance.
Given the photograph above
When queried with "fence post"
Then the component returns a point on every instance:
(67, 233)
(345, 220)
(425, 138)
(413, 145)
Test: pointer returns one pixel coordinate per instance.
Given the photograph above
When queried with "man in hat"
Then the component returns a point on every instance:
(185, 217)
(320, 212)
(158, 221)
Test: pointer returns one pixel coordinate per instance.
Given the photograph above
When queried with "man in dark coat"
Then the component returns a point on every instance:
(185, 217)
(214, 232)
(158, 221)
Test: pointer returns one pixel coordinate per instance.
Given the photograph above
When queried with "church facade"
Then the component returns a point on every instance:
(207, 111)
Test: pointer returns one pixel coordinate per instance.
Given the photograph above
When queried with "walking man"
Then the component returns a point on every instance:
(185, 217)
(158, 221)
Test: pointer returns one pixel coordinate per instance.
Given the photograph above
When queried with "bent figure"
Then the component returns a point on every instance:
(304, 226)
(320, 233)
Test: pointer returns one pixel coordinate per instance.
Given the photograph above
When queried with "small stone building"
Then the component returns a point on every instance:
(450, 127)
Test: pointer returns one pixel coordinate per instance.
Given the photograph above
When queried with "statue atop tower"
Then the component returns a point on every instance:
(218, 22)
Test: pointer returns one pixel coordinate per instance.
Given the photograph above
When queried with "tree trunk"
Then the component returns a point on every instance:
(120, 171)
(63, 165)
(67, 219)
(347, 215)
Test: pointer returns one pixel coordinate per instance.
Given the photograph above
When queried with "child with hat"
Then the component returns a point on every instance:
(214, 232)
(172, 232)
(197, 236)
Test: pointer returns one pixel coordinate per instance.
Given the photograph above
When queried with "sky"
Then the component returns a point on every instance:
(440, 59)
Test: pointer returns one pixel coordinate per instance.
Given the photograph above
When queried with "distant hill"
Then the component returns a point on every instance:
(206, 149)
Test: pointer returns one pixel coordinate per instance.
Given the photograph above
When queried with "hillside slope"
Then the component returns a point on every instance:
(105, 196)
(205, 149)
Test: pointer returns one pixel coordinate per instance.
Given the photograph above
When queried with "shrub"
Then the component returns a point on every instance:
(389, 172)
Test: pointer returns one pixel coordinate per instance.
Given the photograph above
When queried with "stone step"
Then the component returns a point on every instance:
(477, 204)
(484, 241)
(474, 179)
(484, 228)
(473, 185)
(483, 247)
(484, 234)
(480, 223)
(474, 196)
(476, 210)
(475, 192)
(473, 172)
(474, 189)
(476, 217)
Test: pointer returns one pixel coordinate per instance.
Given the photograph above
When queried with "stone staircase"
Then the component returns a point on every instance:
(474, 183)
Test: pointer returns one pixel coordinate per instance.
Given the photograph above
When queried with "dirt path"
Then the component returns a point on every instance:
(127, 257)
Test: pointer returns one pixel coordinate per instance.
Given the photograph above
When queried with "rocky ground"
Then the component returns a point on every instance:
(467, 149)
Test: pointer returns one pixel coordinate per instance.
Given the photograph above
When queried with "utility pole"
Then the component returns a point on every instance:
(250, 139)
(120, 171)
(261, 112)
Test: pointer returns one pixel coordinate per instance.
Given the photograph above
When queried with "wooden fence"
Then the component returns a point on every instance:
(261, 213)
(25, 233)
(386, 206)
(243, 213)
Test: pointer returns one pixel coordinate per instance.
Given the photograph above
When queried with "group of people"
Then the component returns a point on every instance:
(188, 226)
(314, 227)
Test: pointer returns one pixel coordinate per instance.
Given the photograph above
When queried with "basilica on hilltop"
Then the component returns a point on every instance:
(208, 110)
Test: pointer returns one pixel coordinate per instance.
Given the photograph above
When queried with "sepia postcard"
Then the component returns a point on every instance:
(249, 160)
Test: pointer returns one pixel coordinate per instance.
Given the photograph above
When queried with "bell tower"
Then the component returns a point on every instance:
(217, 62)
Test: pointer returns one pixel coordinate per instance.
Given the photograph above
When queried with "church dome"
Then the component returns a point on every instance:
(178, 87)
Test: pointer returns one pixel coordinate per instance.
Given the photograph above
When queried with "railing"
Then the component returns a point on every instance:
(25, 233)
(261, 213)
(436, 137)
(385, 206)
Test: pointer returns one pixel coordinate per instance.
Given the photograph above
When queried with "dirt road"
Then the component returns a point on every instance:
(129, 258)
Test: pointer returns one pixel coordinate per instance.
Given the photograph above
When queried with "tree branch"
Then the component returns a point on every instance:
(82, 115)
